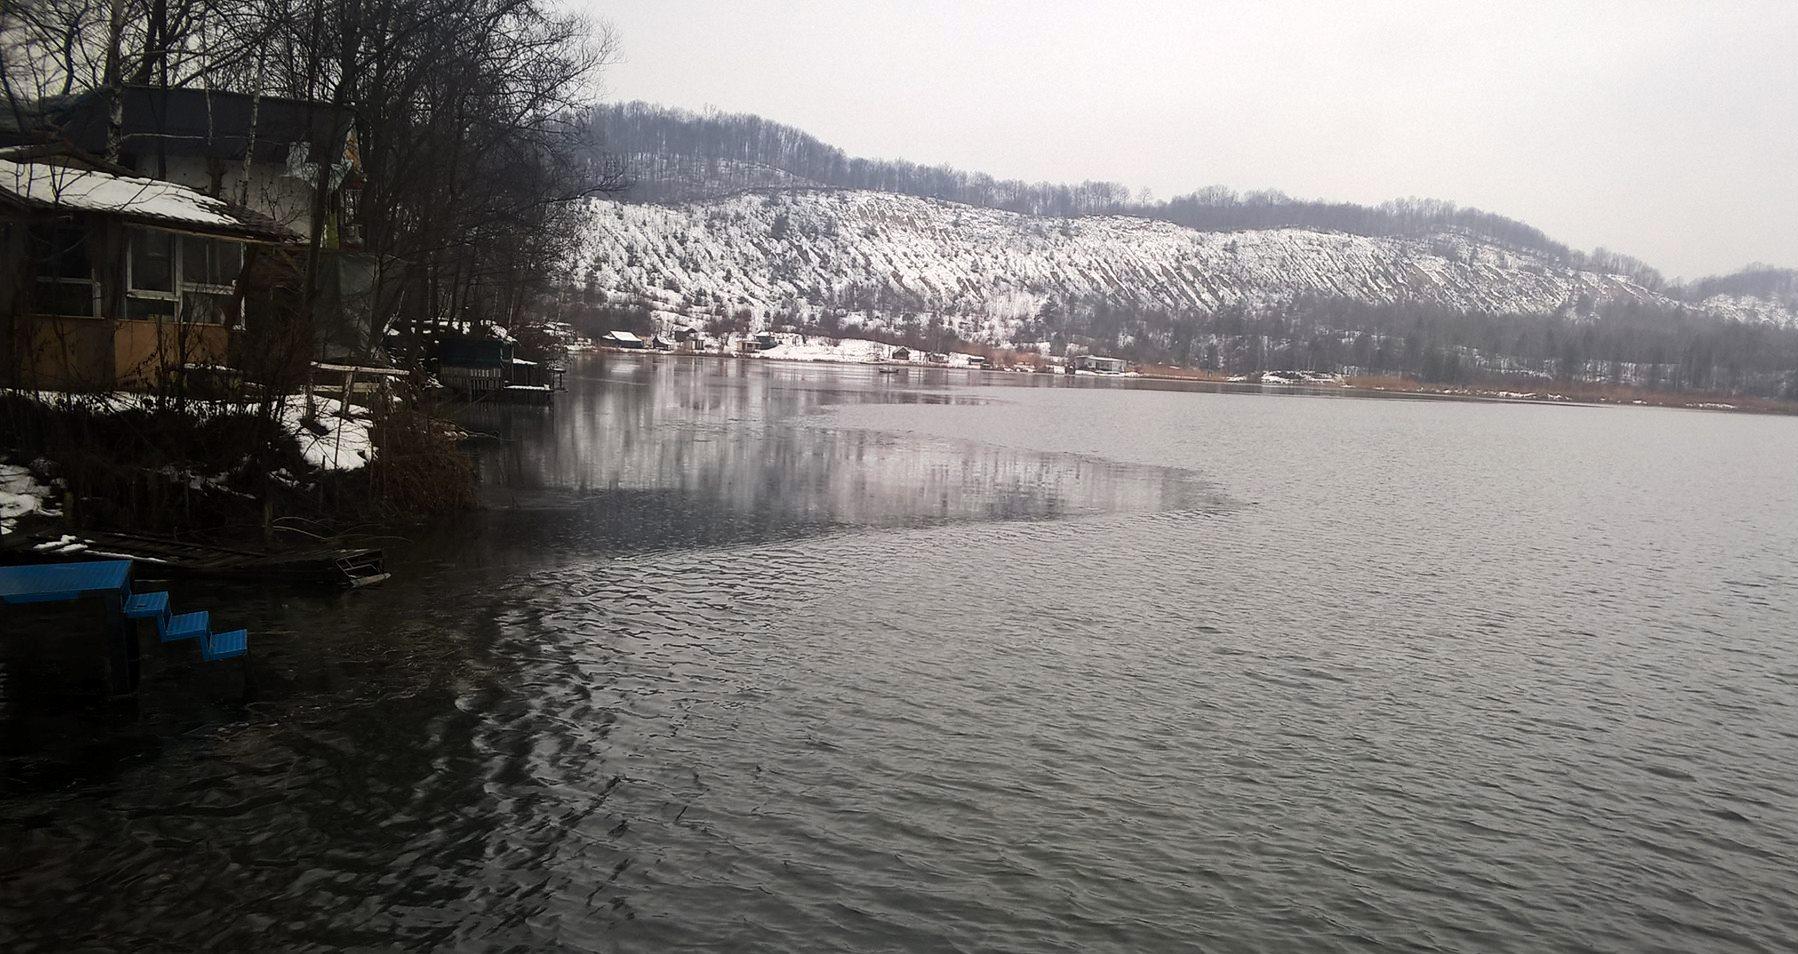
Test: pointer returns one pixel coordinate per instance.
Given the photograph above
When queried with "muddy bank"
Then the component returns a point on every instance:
(224, 472)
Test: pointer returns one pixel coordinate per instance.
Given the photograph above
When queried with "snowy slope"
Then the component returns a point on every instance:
(871, 257)
(1752, 310)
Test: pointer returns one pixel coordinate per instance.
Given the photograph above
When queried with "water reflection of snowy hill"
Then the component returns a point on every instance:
(703, 440)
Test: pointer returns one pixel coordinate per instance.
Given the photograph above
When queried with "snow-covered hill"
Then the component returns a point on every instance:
(1752, 310)
(872, 258)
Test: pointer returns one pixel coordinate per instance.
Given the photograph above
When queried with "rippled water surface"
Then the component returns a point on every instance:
(757, 657)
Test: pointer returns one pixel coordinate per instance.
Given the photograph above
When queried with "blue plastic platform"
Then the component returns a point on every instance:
(57, 582)
(111, 581)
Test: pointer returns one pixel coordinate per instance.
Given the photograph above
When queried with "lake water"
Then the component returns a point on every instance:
(758, 657)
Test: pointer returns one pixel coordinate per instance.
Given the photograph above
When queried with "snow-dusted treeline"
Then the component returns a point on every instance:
(806, 252)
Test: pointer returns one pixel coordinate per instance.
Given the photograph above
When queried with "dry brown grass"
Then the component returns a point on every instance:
(1383, 382)
(419, 469)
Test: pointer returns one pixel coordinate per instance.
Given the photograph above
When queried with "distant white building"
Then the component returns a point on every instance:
(1100, 365)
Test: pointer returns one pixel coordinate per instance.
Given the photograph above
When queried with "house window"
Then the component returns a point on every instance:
(65, 274)
(208, 308)
(186, 277)
(209, 270)
(210, 262)
(152, 275)
(152, 261)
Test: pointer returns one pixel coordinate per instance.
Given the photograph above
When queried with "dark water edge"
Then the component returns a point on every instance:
(790, 658)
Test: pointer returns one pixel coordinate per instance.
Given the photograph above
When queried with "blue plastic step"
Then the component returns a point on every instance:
(187, 626)
(225, 645)
(147, 605)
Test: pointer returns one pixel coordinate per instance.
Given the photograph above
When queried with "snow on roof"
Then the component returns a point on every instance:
(623, 336)
(163, 203)
(359, 369)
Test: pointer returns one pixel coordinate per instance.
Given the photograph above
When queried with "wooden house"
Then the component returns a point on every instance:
(473, 367)
(115, 280)
(488, 369)
(259, 152)
(188, 250)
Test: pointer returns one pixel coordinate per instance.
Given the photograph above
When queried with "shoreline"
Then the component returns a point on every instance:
(1565, 397)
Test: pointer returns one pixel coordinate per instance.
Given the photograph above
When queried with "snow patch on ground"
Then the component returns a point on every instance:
(852, 350)
(859, 351)
(21, 494)
(330, 437)
(67, 543)
(1310, 378)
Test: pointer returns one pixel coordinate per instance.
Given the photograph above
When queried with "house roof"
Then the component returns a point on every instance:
(623, 336)
(22, 122)
(43, 187)
(188, 121)
(464, 351)
(14, 127)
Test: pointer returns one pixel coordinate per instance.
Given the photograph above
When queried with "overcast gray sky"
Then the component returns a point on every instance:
(1668, 130)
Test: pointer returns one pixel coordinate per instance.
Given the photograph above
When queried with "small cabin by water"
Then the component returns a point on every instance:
(486, 368)
(473, 366)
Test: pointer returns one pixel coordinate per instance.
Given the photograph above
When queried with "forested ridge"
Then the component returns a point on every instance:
(676, 154)
(1418, 287)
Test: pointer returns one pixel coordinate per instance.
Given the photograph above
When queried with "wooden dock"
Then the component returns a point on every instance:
(340, 567)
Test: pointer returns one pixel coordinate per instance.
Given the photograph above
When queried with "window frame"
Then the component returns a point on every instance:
(179, 287)
(184, 288)
(208, 243)
(33, 231)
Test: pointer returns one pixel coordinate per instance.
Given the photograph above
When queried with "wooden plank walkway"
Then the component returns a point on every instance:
(347, 567)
